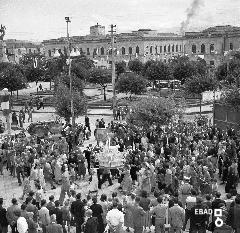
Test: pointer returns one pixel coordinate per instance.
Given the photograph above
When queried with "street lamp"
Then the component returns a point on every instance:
(73, 54)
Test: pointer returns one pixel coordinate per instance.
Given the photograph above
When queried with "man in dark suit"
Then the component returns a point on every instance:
(138, 216)
(77, 210)
(53, 227)
(234, 215)
(91, 223)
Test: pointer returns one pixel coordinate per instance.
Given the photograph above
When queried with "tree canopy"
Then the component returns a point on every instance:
(131, 83)
(157, 70)
(62, 102)
(100, 76)
(152, 112)
(12, 76)
(120, 67)
(136, 66)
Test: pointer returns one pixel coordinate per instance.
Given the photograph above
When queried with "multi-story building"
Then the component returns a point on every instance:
(16, 48)
(146, 44)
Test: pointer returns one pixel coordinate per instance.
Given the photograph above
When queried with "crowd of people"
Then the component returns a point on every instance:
(166, 176)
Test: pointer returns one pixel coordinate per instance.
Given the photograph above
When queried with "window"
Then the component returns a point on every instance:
(137, 50)
(231, 46)
(211, 48)
(123, 51)
(49, 53)
(94, 52)
(203, 49)
(165, 49)
(173, 48)
(160, 49)
(130, 50)
(194, 48)
(156, 50)
(88, 51)
(151, 49)
(176, 48)
(169, 48)
(102, 51)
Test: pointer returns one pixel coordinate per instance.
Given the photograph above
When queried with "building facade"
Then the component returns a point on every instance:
(15, 49)
(146, 44)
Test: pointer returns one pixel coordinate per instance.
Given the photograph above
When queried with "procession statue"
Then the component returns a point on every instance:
(2, 31)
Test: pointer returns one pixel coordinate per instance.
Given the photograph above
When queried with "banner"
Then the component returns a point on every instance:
(5, 104)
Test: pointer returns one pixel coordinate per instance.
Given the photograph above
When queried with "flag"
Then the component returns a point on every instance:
(5, 106)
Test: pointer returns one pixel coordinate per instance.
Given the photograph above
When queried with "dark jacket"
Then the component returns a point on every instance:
(59, 215)
(233, 218)
(196, 218)
(91, 225)
(77, 210)
(3, 218)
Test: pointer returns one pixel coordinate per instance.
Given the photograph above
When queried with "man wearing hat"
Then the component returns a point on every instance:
(53, 227)
(91, 224)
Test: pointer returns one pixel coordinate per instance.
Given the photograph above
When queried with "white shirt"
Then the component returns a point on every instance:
(22, 225)
(115, 217)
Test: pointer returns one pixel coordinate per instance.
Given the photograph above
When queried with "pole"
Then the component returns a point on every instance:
(69, 72)
(113, 66)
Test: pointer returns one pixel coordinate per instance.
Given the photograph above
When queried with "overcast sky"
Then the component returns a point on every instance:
(44, 19)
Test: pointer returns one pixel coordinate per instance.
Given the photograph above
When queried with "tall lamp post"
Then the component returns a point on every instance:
(67, 19)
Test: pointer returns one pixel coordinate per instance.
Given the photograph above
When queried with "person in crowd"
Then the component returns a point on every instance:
(234, 215)
(3, 218)
(22, 225)
(51, 205)
(97, 212)
(32, 225)
(91, 224)
(11, 215)
(115, 219)
(53, 227)
(77, 210)
(44, 217)
(176, 217)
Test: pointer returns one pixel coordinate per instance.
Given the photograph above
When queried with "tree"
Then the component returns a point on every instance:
(62, 102)
(101, 77)
(152, 112)
(33, 65)
(197, 84)
(77, 83)
(136, 66)
(182, 68)
(157, 70)
(229, 71)
(120, 67)
(131, 83)
(12, 77)
(232, 97)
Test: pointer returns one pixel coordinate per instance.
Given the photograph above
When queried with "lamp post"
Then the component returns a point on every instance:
(67, 19)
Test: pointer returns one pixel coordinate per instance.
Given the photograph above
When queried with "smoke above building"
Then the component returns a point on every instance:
(191, 12)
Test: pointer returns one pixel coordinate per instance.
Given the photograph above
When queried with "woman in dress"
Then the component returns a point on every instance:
(57, 171)
(145, 181)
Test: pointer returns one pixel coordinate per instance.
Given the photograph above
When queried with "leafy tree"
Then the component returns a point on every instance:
(77, 84)
(131, 83)
(232, 97)
(197, 84)
(120, 67)
(229, 71)
(101, 77)
(182, 68)
(157, 70)
(12, 77)
(152, 112)
(136, 66)
(33, 65)
(62, 102)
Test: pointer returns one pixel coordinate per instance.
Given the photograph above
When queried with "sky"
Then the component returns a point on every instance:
(39, 20)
